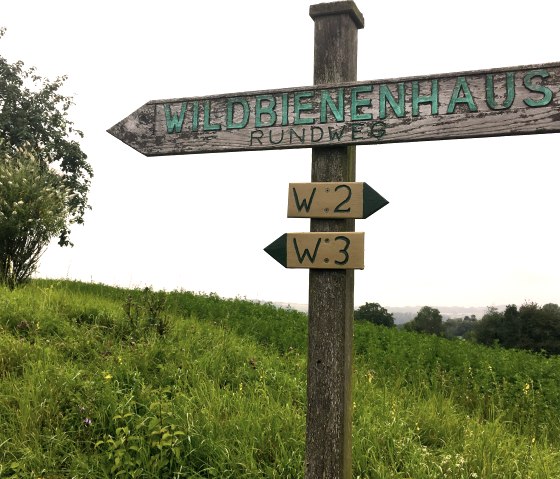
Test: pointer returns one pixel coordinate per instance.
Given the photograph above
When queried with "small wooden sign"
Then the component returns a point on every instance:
(333, 200)
(319, 250)
(505, 101)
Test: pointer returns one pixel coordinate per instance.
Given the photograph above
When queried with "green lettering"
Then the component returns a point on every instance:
(299, 107)
(194, 115)
(357, 103)
(385, 95)
(417, 100)
(230, 123)
(461, 94)
(539, 88)
(491, 93)
(207, 125)
(285, 104)
(336, 110)
(265, 110)
(174, 121)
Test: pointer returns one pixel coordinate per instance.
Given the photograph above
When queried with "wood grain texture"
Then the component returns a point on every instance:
(371, 112)
(331, 292)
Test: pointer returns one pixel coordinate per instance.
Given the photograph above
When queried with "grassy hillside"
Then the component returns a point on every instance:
(100, 382)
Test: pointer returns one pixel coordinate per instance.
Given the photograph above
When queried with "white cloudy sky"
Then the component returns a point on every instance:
(470, 222)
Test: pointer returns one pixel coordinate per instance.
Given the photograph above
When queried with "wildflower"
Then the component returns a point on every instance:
(474, 475)
(87, 421)
(526, 388)
(107, 376)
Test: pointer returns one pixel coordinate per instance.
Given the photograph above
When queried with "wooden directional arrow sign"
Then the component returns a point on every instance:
(506, 101)
(319, 250)
(333, 200)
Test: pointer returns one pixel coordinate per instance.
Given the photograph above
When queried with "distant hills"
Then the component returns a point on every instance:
(404, 314)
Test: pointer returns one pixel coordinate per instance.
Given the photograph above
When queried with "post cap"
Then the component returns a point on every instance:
(338, 8)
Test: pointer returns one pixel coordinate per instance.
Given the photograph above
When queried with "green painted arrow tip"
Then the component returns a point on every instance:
(373, 201)
(277, 249)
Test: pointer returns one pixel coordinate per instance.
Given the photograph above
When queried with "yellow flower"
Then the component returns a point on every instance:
(107, 376)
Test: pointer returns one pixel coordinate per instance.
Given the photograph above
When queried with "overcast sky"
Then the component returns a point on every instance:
(470, 222)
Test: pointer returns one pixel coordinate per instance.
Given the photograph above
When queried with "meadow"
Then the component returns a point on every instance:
(102, 382)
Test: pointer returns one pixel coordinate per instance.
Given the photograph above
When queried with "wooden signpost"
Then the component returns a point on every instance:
(332, 117)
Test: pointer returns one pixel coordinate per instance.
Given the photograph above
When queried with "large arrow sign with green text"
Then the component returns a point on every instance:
(506, 101)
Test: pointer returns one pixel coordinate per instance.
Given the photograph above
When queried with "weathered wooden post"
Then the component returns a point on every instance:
(331, 292)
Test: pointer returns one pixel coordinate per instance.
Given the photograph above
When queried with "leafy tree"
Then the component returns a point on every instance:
(428, 320)
(487, 330)
(529, 327)
(45, 175)
(33, 209)
(459, 327)
(34, 113)
(547, 328)
(374, 313)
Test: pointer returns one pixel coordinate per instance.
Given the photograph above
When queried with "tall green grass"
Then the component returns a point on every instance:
(101, 382)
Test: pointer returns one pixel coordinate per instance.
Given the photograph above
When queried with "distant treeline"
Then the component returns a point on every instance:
(531, 327)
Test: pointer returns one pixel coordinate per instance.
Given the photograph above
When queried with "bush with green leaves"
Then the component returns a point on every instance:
(33, 209)
(33, 112)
